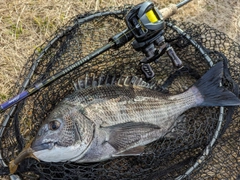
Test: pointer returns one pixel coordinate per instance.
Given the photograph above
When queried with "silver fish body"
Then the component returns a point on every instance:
(101, 122)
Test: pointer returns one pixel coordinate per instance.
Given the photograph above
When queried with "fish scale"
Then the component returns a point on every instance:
(122, 109)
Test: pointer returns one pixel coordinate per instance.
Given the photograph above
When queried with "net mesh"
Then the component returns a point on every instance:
(192, 155)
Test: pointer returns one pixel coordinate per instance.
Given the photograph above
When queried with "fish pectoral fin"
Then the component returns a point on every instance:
(125, 135)
(136, 151)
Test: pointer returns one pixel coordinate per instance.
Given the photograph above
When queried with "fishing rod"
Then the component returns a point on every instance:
(145, 23)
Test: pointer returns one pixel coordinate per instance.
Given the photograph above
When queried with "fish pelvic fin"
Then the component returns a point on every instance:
(212, 93)
(136, 151)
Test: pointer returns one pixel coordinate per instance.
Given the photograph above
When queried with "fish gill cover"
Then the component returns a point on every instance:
(187, 152)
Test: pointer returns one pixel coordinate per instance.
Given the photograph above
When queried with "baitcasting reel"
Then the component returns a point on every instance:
(146, 24)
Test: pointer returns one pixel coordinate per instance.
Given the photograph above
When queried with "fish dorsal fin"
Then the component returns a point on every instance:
(93, 81)
(135, 82)
(84, 83)
(106, 80)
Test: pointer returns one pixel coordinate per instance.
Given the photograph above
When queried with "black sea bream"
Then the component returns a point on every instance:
(100, 122)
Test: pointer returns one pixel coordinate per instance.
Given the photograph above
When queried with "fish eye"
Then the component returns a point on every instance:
(54, 125)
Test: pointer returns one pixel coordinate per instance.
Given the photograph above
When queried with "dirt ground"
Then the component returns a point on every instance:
(26, 24)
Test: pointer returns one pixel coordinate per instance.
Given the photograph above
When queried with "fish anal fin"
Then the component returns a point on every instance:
(136, 151)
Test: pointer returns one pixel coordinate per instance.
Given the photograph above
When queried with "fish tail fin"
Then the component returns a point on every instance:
(212, 94)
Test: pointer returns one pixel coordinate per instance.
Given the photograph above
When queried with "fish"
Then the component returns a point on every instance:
(101, 121)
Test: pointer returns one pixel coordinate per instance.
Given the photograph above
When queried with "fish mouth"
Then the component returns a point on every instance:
(39, 147)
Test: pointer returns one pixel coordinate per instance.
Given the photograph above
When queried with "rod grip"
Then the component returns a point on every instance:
(168, 11)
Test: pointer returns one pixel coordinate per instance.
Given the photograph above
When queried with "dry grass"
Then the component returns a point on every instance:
(24, 25)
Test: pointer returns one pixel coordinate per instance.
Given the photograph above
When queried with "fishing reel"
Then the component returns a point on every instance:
(146, 25)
